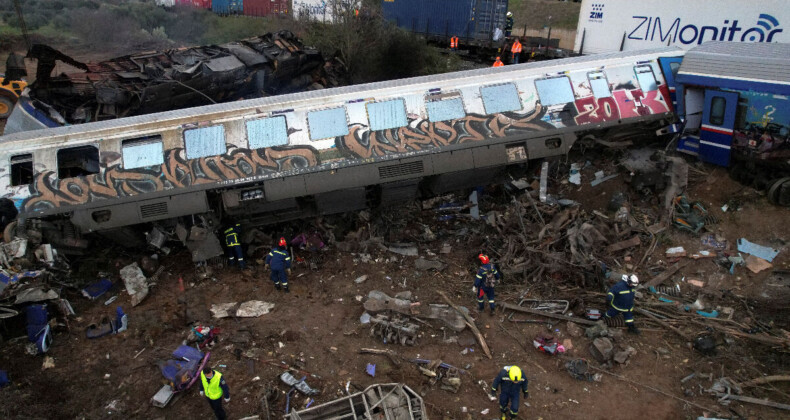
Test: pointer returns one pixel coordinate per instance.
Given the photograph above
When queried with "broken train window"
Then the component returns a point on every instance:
(142, 152)
(267, 132)
(646, 78)
(445, 107)
(78, 161)
(21, 169)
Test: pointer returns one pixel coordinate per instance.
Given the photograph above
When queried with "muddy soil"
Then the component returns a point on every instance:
(317, 328)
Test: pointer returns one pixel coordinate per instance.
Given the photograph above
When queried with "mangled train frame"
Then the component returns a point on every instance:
(336, 150)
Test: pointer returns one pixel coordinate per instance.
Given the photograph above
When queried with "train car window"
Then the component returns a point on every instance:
(599, 84)
(500, 98)
(267, 132)
(142, 152)
(21, 169)
(386, 115)
(717, 107)
(554, 91)
(646, 78)
(327, 123)
(205, 141)
(78, 161)
(445, 109)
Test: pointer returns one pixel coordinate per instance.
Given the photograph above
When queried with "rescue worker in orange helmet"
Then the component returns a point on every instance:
(498, 63)
(485, 280)
(279, 261)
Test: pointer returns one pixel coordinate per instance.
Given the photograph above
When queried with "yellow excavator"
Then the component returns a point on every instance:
(11, 89)
(9, 93)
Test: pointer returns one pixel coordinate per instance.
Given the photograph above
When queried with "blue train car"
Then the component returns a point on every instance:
(734, 101)
(474, 22)
(227, 7)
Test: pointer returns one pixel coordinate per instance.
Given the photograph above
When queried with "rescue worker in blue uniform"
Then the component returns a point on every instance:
(512, 381)
(213, 386)
(233, 246)
(279, 261)
(485, 280)
(620, 300)
(509, 24)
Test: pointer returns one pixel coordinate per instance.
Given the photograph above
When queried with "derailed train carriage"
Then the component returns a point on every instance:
(280, 158)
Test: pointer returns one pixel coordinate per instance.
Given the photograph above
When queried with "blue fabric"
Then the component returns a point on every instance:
(278, 276)
(760, 251)
(489, 293)
(4, 378)
(235, 253)
(278, 258)
(187, 353)
(512, 398)
(627, 315)
(97, 289)
(621, 296)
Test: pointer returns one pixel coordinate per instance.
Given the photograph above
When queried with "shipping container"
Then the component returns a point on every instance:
(474, 22)
(266, 7)
(227, 7)
(627, 25)
(317, 10)
(200, 4)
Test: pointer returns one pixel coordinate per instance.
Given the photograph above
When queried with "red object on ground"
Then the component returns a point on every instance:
(181, 284)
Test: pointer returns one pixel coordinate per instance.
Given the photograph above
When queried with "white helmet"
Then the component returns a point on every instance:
(631, 280)
(509, 14)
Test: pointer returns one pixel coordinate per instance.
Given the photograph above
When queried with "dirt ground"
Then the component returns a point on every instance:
(317, 328)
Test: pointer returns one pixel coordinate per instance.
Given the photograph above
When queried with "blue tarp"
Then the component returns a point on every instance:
(760, 251)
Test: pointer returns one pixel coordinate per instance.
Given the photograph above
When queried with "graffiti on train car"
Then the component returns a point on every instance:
(622, 104)
(48, 192)
(421, 134)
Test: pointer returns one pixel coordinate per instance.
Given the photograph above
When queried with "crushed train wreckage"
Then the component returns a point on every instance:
(144, 83)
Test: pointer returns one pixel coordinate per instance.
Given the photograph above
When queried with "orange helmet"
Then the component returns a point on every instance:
(483, 259)
(282, 242)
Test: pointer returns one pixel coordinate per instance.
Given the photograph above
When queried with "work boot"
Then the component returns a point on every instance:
(504, 416)
(479, 309)
(277, 286)
(287, 290)
(633, 330)
(492, 312)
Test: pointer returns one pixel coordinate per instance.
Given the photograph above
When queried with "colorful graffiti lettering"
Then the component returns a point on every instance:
(48, 192)
(622, 104)
(422, 134)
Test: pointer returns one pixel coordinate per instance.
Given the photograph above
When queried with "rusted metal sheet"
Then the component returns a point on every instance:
(138, 84)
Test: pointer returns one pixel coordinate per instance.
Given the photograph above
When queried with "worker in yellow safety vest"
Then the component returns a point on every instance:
(498, 63)
(233, 246)
(515, 49)
(454, 43)
(213, 386)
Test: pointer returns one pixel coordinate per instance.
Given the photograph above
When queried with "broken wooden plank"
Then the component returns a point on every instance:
(755, 401)
(664, 324)
(389, 353)
(547, 314)
(766, 380)
(619, 246)
(470, 322)
(655, 281)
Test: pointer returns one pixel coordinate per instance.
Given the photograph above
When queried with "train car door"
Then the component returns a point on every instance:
(718, 121)
(670, 67)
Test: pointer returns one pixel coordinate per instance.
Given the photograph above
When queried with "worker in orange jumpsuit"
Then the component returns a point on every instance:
(515, 50)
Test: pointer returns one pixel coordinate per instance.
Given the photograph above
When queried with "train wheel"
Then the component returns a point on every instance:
(779, 192)
(6, 105)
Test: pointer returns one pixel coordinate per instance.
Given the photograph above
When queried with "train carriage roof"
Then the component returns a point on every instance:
(736, 65)
(500, 74)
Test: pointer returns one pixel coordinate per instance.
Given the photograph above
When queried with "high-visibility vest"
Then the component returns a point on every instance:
(212, 389)
(498, 63)
(516, 48)
(454, 42)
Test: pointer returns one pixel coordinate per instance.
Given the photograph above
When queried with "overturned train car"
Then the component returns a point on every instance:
(144, 83)
(280, 158)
